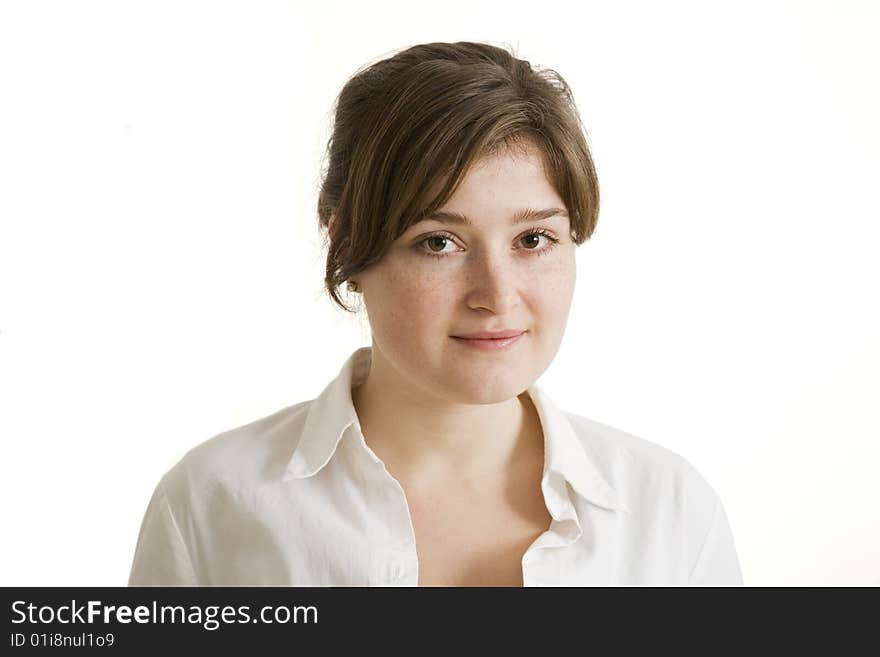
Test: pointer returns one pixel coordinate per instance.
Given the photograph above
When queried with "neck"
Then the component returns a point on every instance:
(415, 432)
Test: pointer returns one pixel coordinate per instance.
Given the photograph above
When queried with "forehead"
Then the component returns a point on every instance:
(507, 166)
(511, 184)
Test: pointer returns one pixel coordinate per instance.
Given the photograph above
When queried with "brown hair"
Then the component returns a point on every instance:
(417, 121)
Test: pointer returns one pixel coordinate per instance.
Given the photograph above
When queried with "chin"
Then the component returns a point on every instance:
(486, 392)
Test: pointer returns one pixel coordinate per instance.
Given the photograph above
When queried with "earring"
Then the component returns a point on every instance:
(353, 286)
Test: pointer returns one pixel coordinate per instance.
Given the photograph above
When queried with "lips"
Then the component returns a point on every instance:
(491, 344)
(491, 335)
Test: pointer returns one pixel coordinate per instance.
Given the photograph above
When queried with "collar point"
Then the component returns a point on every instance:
(297, 469)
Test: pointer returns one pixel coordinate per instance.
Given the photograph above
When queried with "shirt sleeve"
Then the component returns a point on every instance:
(717, 562)
(161, 557)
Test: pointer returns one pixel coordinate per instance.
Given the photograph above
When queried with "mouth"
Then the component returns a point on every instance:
(493, 335)
(489, 344)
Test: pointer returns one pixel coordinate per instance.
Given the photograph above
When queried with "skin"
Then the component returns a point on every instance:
(431, 408)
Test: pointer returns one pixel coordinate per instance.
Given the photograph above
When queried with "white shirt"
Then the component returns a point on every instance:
(298, 498)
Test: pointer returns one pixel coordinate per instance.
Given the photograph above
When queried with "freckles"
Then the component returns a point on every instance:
(408, 278)
(415, 289)
(432, 285)
(554, 281)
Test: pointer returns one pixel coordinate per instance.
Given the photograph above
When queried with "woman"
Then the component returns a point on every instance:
(458, 186)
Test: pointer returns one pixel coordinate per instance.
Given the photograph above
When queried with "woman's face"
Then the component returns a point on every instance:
(442, 279)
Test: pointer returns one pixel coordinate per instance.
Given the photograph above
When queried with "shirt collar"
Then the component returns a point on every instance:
(332, 412)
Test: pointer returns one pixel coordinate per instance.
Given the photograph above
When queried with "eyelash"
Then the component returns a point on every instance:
(535, 231)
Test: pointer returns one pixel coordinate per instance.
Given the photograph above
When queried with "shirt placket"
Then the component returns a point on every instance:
(394, 561)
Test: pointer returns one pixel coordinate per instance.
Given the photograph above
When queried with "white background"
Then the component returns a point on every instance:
(161, 270)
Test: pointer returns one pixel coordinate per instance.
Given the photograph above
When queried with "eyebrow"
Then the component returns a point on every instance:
(528, 214)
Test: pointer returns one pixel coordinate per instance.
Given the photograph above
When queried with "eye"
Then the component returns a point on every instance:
(432, 241)
(533, 237)
(434, 245)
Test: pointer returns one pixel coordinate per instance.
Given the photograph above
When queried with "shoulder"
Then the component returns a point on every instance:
(646, 474)
(240, 458)
(675, 525)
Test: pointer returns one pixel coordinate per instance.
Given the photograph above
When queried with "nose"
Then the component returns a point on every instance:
(492, 283)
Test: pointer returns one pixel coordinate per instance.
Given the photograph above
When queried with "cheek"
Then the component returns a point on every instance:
(552, 287)
(411, 299)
